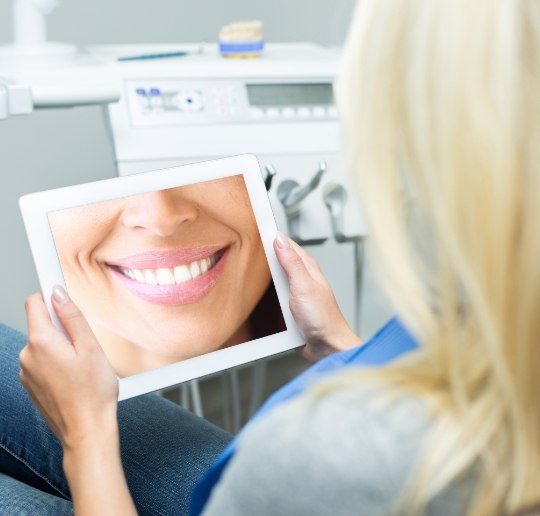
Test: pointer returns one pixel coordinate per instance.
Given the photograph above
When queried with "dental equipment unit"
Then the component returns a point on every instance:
(165, 112)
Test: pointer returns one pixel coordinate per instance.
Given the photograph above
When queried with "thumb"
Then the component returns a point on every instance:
(70, 316)
(292, 263)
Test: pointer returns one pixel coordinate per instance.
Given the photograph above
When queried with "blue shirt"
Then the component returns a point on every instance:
(390, 342)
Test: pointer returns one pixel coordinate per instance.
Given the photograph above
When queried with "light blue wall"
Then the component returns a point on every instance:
(62, 147)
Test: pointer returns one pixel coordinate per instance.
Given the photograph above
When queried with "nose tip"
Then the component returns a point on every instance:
(161, 213)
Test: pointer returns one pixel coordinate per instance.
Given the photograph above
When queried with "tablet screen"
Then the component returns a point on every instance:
(170, 274)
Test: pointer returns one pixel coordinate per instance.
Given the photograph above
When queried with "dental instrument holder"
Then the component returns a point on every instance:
(269, 177)
(335, 199)
(291, 194)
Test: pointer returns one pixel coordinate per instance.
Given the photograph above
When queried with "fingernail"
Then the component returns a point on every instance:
(60, 295)
(282, 241)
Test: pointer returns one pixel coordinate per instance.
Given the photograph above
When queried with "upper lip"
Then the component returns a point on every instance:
(166, 258)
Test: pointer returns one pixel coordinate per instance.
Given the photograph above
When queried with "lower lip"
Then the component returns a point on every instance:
(181, 294)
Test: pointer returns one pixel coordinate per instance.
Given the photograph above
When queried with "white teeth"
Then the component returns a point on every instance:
(204, 266)
(165, 277)
(170, 276)
(181, 274)
(195, 270)
(139, 276)
(150, 277)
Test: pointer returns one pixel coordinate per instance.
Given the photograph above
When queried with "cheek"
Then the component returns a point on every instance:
(68, 250)
(75, 254)
(258, 271)
(229, 205)
(75, 247)
(261, 271)
(78, 232)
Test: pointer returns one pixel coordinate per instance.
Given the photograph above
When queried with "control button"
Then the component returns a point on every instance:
(304, 112)
(155, 91)
(333, 111)
(288, 112)
(272, 113)
(141, 91)
(188, 101)
(256, 112)
(319, 112)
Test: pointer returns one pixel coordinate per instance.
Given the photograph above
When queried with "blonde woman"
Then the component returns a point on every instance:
(441, 107)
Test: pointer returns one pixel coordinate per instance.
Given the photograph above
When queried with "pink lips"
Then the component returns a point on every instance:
(166, 259)
(178, 294)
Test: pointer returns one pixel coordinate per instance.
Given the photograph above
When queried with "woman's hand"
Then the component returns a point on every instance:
(69, 379)
(76, 389)
(313, 304)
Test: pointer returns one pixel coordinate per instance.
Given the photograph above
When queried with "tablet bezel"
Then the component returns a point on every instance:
(36, 206)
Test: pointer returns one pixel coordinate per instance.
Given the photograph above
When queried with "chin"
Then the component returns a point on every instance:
(175, 352)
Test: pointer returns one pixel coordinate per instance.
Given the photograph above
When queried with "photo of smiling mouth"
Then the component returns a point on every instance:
(171, 277)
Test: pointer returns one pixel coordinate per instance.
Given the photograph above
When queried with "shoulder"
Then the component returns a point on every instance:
(345, 428)
(350, 448)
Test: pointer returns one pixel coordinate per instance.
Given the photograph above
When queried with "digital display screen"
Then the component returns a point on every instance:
(168, 275)
(290, 94)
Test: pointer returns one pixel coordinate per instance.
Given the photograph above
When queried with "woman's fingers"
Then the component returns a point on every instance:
(292, 263)
(311, 264)
(37, 316)
(71, 317)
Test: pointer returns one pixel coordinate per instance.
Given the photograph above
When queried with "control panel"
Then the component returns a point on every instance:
(186, 102)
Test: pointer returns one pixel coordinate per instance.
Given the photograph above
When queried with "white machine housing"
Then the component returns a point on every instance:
(279, 107)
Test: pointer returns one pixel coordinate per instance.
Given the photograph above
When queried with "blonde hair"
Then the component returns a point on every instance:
(440, 101)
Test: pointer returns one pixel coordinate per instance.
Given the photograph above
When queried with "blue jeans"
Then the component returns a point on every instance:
(164, 449)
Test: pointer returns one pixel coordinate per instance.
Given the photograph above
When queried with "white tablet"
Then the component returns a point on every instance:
(174, 269)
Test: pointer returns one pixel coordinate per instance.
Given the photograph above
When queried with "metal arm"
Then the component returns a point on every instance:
(291, 194)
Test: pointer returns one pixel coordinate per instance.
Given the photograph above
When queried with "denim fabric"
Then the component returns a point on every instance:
(19, 499)
(164, 449)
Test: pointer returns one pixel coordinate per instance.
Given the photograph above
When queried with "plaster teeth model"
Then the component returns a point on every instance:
(241, 39)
